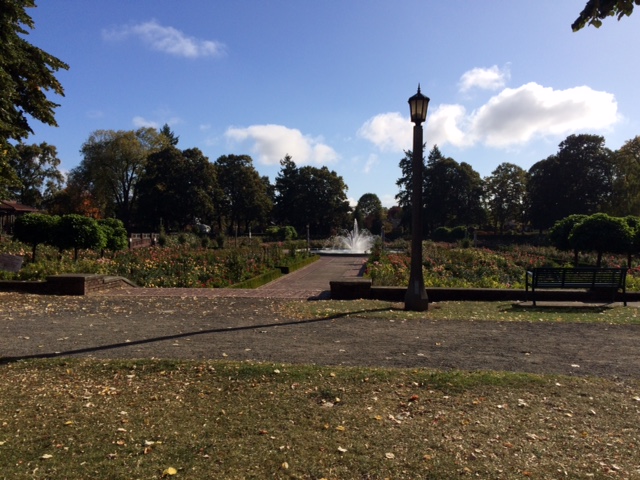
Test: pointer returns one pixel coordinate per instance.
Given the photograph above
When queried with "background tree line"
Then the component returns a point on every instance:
(583, 177)
(142, 178)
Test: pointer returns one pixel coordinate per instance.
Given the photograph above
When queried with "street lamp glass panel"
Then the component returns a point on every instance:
(418, 105)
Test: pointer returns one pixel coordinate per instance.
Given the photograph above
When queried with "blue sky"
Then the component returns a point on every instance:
(328, 82)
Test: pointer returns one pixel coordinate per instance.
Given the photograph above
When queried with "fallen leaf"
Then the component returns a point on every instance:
(389, 455)
(342, 450)
(169, 471)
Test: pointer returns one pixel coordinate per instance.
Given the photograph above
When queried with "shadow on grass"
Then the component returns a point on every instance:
(112, 346)
(555, 308)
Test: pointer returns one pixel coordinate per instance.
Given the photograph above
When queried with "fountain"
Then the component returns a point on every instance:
(354, 242)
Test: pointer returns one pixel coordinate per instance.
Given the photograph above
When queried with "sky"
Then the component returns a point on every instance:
(328, 82)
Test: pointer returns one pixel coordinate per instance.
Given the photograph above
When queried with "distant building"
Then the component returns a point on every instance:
(9, 211)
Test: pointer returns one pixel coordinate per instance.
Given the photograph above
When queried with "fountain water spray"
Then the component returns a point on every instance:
(354, 241)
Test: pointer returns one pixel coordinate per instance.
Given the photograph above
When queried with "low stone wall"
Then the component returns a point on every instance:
(361, 288)
(67, 284)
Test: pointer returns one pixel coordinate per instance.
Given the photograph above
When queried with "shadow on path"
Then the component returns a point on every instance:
(85, 350)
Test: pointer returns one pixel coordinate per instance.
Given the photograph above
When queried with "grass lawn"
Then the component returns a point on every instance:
(155, 419)
(476, 311)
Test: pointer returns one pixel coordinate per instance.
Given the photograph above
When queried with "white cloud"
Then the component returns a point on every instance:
(445, 125)
(272, 142)
(491, 78)
(167, 39)
(140, 122)
(388, 131)
(510, 118)
(388, 200)
(516, 116)
(372, 161)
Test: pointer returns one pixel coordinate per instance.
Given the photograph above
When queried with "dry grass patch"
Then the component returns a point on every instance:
(202, 420)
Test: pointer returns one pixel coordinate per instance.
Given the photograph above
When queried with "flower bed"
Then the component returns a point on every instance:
(447, 265)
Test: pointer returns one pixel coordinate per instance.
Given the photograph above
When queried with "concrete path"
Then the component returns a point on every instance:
(310, 282)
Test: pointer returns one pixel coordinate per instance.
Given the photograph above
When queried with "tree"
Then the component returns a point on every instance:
(26, 75)
(560, 232)
(171, 137)
(77, 232)
(311, 196)
(112, 164)
(245, 199)
(404, 187)
(115, 234)
(626, 185)
(35, 229)
(578, 179)
(602, 233)
(505, 191)
(597, 10)
(37, 168)
(176, 187)
(452, 193)
(368, 212)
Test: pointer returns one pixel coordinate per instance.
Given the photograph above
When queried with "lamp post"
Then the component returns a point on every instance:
(416, 299)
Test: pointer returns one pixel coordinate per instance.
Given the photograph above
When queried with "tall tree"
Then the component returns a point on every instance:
(452, 192)
(404, 185)
(369, 212)
(597, 10)
(37, 168)
(112, 164)
(26, 75)
(576, 180)
(177, 187)
(246, 202)
(626, 185)
(505, 192)
(311, 196)
(172, 138)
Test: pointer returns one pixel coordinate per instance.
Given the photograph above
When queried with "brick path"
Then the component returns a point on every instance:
(310, 282)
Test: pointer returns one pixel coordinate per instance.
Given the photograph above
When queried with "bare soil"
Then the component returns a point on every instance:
(254, 329)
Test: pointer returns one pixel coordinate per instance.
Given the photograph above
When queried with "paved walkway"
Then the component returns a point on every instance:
(310, 282)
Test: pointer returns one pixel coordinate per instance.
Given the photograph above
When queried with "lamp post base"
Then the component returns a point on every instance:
(416, 300)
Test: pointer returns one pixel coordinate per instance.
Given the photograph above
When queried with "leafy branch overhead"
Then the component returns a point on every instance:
(597, 10)
(27, 73)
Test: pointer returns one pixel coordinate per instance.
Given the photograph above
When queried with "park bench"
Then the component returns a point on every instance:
(612, 279)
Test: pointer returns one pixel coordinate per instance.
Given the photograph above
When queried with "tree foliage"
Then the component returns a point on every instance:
(37, 169)
(626, 185)
(77, 232)
(112, 164)
(310, 196)
(576, 180)
(452, 193)
(26, 75)
(115, 235)
(597, 10)
(245, 200)
(35, 229)
(505, 192)
(602, 233)
(177, 187)
(368, 212)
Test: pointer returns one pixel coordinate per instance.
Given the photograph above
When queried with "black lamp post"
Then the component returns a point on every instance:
(416, 297)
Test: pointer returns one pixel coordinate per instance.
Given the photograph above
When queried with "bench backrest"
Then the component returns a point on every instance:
(593, 277)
